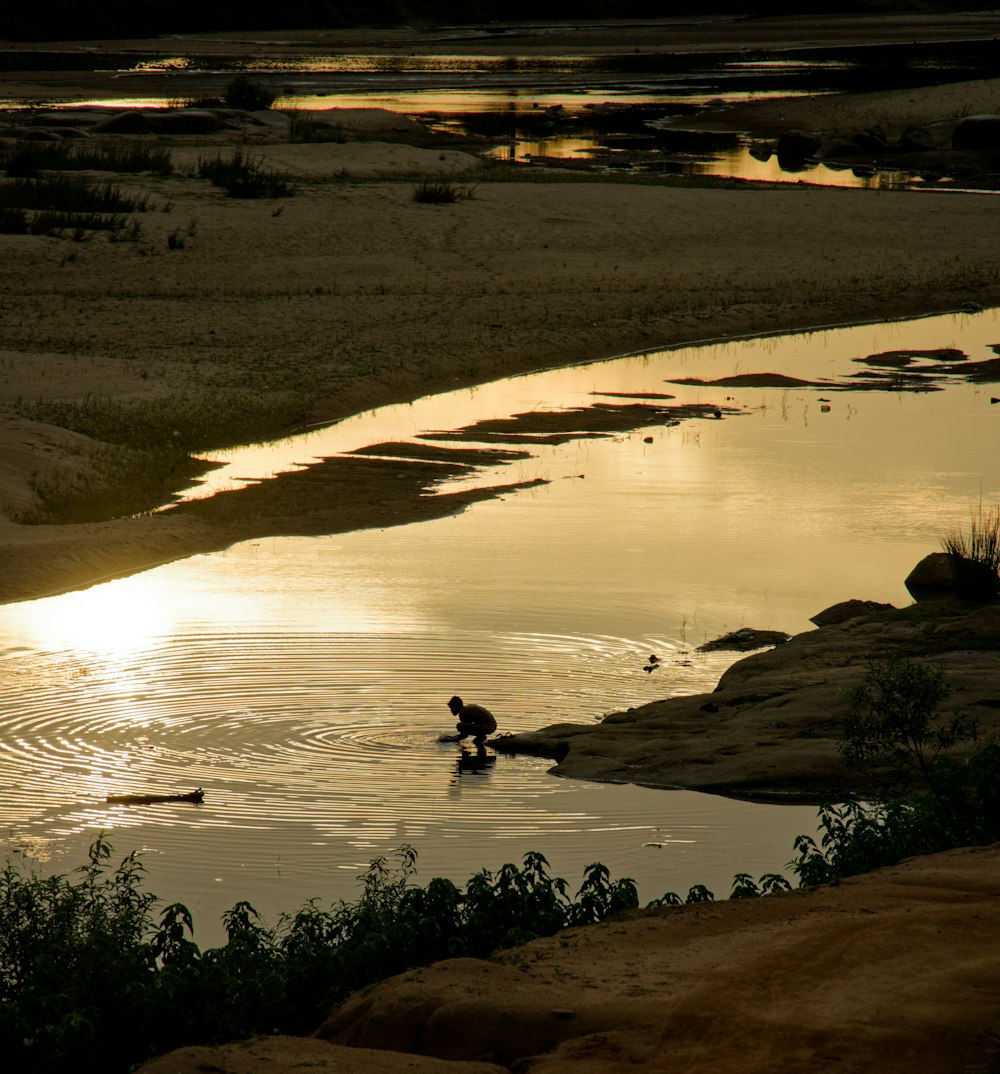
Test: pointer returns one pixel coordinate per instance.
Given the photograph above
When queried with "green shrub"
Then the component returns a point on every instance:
(895, 721)
(896, 725)
(249, 94)
(90, 980)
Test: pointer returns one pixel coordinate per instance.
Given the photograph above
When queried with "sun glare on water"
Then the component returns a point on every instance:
(112, 619)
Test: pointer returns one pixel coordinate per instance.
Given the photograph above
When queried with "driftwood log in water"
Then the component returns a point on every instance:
(195, 797)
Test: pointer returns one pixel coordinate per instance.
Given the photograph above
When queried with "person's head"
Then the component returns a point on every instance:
(455, 704)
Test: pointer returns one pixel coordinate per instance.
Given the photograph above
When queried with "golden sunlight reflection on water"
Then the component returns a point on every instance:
(302, 682)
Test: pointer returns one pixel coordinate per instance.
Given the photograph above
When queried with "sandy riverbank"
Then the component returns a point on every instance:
(349, 295)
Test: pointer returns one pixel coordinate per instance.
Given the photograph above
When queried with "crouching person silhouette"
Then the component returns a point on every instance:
(474, 722)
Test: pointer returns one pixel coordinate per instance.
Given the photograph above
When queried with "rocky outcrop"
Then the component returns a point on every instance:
(770, 729)
(161, 121)
(847, 609)
(837, 147)
(870, 140)
(933, 578)
(300, 1055)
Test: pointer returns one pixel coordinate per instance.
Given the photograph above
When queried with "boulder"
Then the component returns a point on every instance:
(838, 147)
(266, 117)
(34, 134)
(871, 140)
(185, 121)
(933, 578)
(161, 121)
(797, 145)
(761, 151)
(128, 122)
(70, 117)
(846, 609)
(977, 132)
(744, 641)
(371, 122)
(916, 140)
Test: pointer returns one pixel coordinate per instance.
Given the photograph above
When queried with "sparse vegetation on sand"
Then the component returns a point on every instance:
(52, 205)
(27, 160)
(143, 448)
(304, 128)
(243, 177)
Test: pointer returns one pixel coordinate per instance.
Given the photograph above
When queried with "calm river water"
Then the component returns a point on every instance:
(303, 682)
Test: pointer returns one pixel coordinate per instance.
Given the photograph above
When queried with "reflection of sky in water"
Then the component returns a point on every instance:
(302, 682)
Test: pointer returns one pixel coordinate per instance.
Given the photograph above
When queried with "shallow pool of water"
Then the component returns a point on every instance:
(532, 107)
(303, 682)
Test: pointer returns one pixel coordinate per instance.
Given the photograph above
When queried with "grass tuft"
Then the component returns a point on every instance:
(440, 192)
(975, 556)
(243, 177)
(305, 129)
(27, 161)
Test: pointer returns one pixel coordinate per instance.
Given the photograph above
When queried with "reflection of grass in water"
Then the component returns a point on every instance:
(146, 447)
